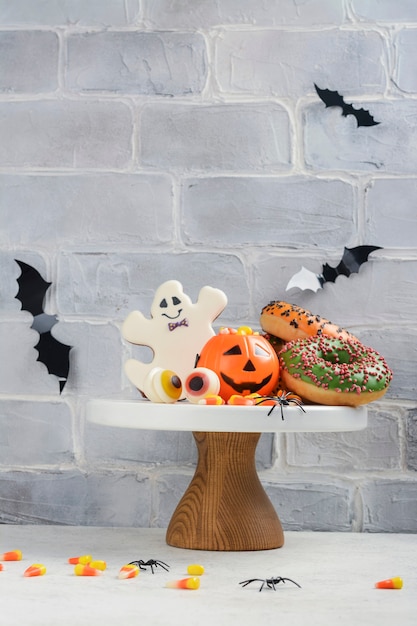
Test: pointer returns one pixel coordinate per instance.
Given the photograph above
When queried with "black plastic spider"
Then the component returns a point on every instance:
(151, 563)
(268, 582)
(284, 398)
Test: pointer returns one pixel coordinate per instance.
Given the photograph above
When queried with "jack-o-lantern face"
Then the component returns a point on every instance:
(245, 362)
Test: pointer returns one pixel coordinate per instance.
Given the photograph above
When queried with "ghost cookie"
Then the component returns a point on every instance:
(176, 332)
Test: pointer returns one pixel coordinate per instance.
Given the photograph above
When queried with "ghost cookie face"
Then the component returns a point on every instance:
(176, 332)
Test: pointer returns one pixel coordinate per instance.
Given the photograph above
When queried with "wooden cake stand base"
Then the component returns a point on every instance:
(225, 506)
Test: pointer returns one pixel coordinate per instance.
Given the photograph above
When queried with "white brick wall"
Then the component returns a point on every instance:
(156, 139)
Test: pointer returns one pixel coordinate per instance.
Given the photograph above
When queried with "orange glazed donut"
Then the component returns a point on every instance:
(325, 370)
(290, 322)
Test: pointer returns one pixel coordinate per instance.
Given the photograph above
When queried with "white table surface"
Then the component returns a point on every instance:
(337, 572)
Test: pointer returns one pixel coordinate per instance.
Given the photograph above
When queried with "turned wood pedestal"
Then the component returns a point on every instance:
(225, 506)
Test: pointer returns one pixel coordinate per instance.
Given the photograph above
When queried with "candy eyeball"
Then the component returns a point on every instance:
(201, 382)
(162, 385)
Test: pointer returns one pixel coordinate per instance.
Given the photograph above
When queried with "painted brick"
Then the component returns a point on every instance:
(35, 433)
(288, 63)
(334, 142)
(215, 137)
(28, 61)
(73, 498)
(312, 505)
(67, 134)
(69, 12)
(411, 430)
(288, 211)
(169, 490)
(93, 344)
(20, 372)
(217, 164)
(371, 297)
(108, 284)
(389, 222)
(115, 446)
(385, 10)
(390, 506)
(177, 14)
(406, 49)
(375, 448)
(85, 208)
(166, 64)
(125, 445)
(400, 351)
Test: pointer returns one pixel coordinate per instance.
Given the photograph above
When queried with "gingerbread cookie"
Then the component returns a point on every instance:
(176, 332)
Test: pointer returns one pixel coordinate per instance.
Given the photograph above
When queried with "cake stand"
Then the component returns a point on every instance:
(225, 506)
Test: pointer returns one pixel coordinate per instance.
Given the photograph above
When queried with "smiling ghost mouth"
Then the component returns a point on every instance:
(251, 387)
(170, 317)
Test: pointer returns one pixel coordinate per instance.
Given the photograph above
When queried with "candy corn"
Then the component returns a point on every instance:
(390, 583)
(98, 565)
(211, 399)
(14, 555)
(241, 400)
(37, 569)
(85, 570)
(128, 571)
(185, 583)
(86, 558)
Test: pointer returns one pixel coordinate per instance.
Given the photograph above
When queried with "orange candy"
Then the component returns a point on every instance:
(37, 569)
(241, 400)
(390, 583)
(128, 571)
(85, 570)
(211, 399)
(86, 558)
(184, 583)
(14, 555)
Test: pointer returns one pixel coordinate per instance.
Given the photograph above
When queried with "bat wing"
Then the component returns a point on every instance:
(305, 279)
(32, 289)
(351, 261)
(51, 352)
(330, 98)
(363, 117)
(55, 356)
(334, 99)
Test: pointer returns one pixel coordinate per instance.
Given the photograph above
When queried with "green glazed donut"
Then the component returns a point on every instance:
(326, 370)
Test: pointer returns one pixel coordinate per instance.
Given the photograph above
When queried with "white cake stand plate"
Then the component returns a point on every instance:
(182, 416)
(225, 506)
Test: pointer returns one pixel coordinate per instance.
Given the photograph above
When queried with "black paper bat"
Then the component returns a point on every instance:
(52, 353)
(351, 261)
(334, 99)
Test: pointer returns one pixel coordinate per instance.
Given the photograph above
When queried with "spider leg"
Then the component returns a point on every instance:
(291, 581)
(164, 566)
(249, 581)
